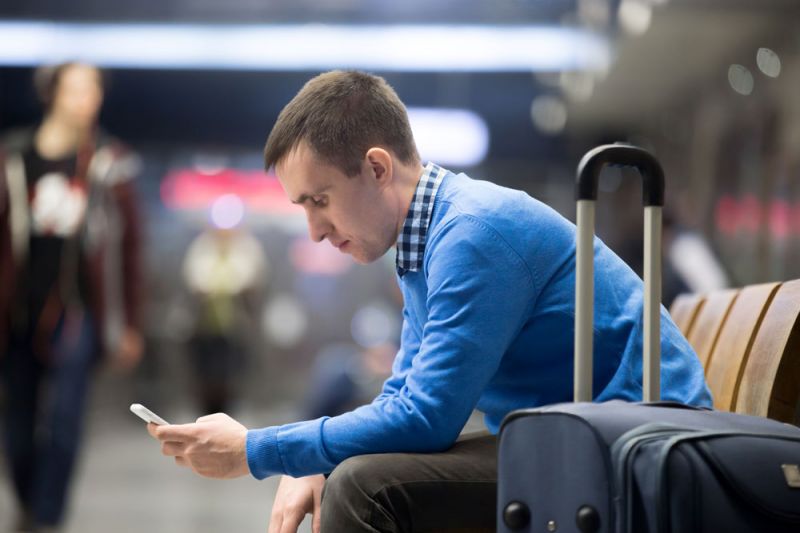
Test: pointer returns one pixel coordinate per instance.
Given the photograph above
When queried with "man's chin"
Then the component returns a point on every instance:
(362, 259)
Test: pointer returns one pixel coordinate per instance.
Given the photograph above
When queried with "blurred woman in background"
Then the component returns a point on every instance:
(69, 281)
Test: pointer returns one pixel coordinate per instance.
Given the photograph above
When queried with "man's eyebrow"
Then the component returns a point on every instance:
(305, 196)
(301, 200)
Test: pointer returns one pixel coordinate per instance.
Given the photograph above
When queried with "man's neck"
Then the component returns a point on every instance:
(409, 177)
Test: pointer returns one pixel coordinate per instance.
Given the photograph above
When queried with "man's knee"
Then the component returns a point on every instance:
(355, 478)
(353, 499)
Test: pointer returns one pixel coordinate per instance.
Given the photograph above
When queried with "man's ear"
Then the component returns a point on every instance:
(380, 163)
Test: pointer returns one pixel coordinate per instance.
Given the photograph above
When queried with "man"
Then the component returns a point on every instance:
(487, 276)
(69, 281)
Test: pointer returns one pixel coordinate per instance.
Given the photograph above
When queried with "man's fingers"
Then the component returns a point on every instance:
(208, 418)
(275, 522)
(315, 521)
(172, 432)
(181, 461)
(172, 448)
(291, 520)
(276, 514)
(317, 512)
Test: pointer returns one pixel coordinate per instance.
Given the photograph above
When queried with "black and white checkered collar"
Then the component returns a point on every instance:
(411, 242)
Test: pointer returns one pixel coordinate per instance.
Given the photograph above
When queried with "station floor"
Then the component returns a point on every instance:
(124, 485)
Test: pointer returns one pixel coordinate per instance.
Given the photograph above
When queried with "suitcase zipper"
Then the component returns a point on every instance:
(623, 451)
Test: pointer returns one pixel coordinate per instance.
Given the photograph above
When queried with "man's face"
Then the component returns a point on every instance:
(353, 213)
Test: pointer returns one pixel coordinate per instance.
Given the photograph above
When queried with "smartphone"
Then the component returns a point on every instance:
(147, 415)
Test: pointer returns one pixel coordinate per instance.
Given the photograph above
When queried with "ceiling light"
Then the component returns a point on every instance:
(470, 48)
(457, 137)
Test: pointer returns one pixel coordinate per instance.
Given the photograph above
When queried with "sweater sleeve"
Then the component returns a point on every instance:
(478, 291)
(409, 346)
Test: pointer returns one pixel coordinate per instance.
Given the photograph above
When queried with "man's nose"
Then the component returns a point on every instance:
(318, 227)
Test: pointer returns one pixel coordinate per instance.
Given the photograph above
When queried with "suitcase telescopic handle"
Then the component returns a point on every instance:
(625, 155)
(589, 169)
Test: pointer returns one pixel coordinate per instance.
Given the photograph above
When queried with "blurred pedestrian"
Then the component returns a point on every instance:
(69, 281)
(224, 270)
(691, 257)
(690, 264)
(345, 376)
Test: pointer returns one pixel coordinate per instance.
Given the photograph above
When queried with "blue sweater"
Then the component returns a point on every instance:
(488, 324)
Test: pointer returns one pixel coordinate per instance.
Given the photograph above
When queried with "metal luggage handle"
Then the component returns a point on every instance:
(621, 154)
(589, 168)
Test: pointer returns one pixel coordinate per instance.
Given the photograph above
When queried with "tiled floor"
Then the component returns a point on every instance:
(125, 485)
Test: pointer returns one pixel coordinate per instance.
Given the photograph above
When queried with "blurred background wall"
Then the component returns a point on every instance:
(511, 91)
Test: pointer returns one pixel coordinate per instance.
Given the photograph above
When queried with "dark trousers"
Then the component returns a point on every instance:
(453, 491)
(44, 414)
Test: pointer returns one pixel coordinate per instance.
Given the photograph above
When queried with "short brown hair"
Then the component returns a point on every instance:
(341, 114)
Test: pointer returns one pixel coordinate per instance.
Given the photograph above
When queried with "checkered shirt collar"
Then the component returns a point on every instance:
(411, 242)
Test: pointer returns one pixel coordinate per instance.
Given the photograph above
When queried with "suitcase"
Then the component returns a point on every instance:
(640, 467)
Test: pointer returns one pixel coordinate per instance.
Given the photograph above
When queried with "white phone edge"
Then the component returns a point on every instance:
(147, 415)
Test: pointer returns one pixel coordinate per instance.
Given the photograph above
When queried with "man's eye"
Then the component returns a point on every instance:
(318, 202)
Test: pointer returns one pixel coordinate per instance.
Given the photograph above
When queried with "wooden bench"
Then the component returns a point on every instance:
(684, 311)
(749, 343)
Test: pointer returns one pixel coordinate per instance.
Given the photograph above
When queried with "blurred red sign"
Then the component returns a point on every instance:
(193, 190)
(747, 215)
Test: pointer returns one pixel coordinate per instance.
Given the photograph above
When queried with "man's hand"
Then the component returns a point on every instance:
(214, 446)
(296, 498)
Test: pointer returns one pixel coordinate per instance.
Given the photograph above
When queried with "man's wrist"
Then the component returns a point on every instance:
(242, 468)
(261, 452)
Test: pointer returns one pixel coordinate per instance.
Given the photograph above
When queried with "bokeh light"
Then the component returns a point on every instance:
(768, 62)
(458, 137)
(284, 322)
(375, 323)
(549, 114)
(577, 85)
(635, 16)
(227, 211)
(741, 79)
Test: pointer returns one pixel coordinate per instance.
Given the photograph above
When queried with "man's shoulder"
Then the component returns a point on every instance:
(474, 232)
(468, 202)
(506, 224)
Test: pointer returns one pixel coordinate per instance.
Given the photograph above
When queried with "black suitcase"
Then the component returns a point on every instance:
(649, 467)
